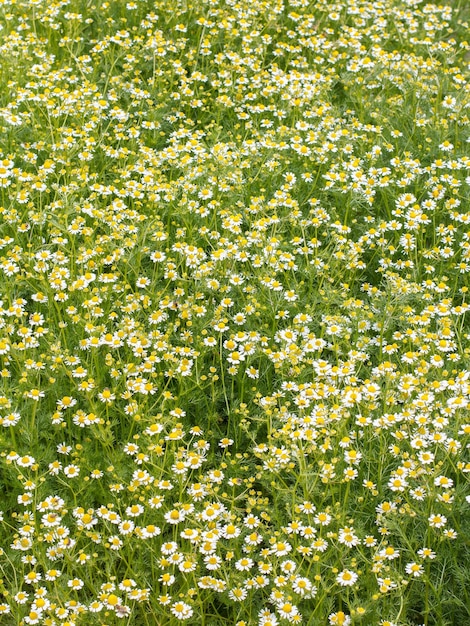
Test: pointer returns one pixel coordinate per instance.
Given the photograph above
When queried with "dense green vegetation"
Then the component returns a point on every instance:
(234, 339)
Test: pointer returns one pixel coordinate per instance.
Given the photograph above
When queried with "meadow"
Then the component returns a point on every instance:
(234, 313)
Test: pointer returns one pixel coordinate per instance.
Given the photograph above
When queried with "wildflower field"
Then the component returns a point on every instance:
(234, 312)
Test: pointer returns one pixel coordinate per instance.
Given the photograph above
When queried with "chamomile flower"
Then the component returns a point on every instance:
(347, 578)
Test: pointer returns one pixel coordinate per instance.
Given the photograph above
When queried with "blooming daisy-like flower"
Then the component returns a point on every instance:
(339, 619)
(33, 617)
(126, 527)
(21, 597)
(212, 561)
(244, 564)
(11, 419)
(437, 521)
(71, 471)
(346, 578)
(35, 394)
(52, 574)
(415, 569)
(307, 507)
(175, 516)
(127, 584)
(75, 584)
(231, 531)
(385, 584)
(348, 537)
(32, 577)
(281, 548)
(154, 502)
(397, 483)
(25, 461)
(150, 531)
(266, 618)
(418, 494)
(303, 587)
(320, 545)
(426, 553)
(95, 607)
(187, 565)
(169, 547)
(287, 610)
(134, 510)
(253, 539)
(106, 396)
(237, 594)
(225, 442)
(389, 553)
(62, 612)
(251, 521)
(443, 481)
(167, 579)
(288, 566)
(322, 518)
